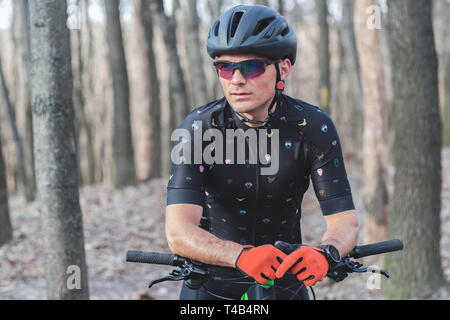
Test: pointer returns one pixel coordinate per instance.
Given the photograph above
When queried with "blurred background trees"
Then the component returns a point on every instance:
(168, 73)
(139, 66)
(5, 221)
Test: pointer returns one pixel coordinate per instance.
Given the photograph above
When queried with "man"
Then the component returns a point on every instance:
(228, 213)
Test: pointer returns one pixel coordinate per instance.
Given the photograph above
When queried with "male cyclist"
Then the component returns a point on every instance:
(228, 213)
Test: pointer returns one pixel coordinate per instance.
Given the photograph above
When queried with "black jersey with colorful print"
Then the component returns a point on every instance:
(240, 203)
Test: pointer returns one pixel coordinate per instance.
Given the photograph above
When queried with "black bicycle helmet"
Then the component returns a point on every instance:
(252, 29)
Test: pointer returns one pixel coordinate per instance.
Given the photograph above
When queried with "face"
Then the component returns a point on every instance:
(252, 97)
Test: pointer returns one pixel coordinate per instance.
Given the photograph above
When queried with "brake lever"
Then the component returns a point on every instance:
(349, 266)
(187, 271)
(175, 275)
(376, 270)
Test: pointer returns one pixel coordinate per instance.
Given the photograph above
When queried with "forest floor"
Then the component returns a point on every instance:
(116, 221)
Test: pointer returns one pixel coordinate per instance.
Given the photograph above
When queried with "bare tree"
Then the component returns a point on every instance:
(22, 92)
(351, 49)
(446, 102)
(324, 55)
(263, 2)
(194, 50)
(179, 106)
(55, 151)
(80, 38)
(18, 144)
(336, 104)
(348, 108)
(214, 10)
(281, 7)
(124, 166)
(376, 124)
(415, 215)
(87, 41)
(144, 17)
(441, 18)
(5, 221)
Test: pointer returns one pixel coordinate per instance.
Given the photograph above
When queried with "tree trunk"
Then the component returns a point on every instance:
(214, 10)
(324, 55)
(415, 215)
(446, 101)
(337, 105)
(263, 2)
(346, 107)
(88, 88)
(18, 144)
(55, 151)
(281, 7)
(442, 15)
(5, 222)
(351, 49)
(194, 49)
(354, 73)
(78, 100)
(177, 88)
(22, 95)
(142, 96)
(84, 132)
(146, 20)
(124, 173)
(376, 125)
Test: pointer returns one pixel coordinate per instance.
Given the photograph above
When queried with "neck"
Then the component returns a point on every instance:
(259, 114)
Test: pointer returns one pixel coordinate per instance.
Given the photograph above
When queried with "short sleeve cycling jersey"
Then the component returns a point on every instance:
(240, 203)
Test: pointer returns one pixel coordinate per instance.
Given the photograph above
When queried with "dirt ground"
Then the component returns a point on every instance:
(133, 218)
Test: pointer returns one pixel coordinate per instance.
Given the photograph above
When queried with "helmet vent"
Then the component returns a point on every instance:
(235, 23)
(285, 31)
(216, 29)
(262, 24)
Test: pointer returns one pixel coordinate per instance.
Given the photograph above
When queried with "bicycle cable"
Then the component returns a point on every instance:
(314, 295)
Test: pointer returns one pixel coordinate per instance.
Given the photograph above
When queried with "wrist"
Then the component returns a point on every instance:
(331, 254)
(239, 253)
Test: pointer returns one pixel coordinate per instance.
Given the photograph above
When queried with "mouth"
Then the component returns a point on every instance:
(241, 94)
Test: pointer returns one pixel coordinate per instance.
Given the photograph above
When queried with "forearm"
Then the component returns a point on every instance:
(198, 244)
(187, 239)
(343, 233)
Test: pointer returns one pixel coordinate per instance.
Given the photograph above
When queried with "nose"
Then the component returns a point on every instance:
(237, 78)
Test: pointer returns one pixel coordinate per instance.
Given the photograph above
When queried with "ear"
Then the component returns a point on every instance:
(285, 68)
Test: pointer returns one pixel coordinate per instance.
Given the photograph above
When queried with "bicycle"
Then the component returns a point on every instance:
(197, 273)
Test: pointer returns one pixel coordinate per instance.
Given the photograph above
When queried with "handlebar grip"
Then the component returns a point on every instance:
(377, 248)
(154, 258)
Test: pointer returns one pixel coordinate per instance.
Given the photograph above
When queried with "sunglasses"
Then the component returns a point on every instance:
(249, 68)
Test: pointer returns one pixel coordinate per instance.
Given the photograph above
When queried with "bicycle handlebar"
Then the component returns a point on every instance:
(376, 248)
(168, 259)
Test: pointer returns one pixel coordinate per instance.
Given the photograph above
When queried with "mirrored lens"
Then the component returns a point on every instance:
(252, 69)
(249, 69)
(225, 70)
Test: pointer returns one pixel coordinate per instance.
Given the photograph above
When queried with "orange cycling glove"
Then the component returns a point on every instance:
(307, 264)
(260, 263)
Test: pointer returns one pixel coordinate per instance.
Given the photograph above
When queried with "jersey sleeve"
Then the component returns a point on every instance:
(187, 180)
(328, 174)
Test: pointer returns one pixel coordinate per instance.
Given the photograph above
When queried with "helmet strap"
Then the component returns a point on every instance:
(279, 87)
